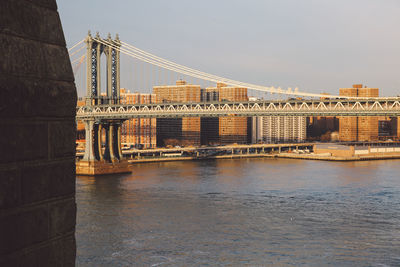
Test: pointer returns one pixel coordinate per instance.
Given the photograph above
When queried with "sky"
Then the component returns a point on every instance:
(315, 45)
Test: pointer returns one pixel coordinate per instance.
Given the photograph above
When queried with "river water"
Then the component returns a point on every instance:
(244, 212)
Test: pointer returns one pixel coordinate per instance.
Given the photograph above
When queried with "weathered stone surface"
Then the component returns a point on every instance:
(10, 188)
(31, 97)
(37, 110)
(32, 140)
(49, 255)
(23, 140)
(8, 142)
(43, 181)
(25, 57)
(57, 67)
(60, 179)
(36, 22)
(62, 217)
(21, 57)
(56, 253)
(68, 245)
(24, 228)
(51, 4)
(62, 138)
(35, 183)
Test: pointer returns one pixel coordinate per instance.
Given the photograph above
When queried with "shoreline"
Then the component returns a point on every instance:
(281, 155)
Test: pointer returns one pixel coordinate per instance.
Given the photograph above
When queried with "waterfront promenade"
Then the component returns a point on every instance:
(304, 151)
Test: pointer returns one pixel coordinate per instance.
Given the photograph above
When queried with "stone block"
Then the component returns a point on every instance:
(32, 97)
(10, 188)
(35, 21)
(58, 65)
(18, 56)
(56, 99)
(49, 255)
(60, 180)
(62, 138)
(23, 140)
(68, 245)
(35, 183)
(51, 4)
(24, 228)
(32, 140)
(52, 61)
(62, 217)
(8, 141)
(40, 182)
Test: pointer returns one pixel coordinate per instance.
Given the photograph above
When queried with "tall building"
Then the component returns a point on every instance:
(277, 129)
(256, 130)
(182, 131)
(196, 131)
(138, 132)
(358, 128)
(284, 129)
(231, 129)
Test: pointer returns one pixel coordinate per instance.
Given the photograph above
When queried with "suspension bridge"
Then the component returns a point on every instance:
(105, 110)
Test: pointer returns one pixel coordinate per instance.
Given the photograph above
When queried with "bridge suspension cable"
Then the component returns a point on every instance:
(78, 65)
(75, 45)
(75, 52)
(78, 59)
(160, 62)
(206, 76)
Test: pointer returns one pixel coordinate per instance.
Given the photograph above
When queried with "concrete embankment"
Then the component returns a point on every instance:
(282, 155)
(144, 160)
(334, 158)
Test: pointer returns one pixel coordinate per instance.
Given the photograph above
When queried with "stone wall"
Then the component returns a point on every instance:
(37, 147)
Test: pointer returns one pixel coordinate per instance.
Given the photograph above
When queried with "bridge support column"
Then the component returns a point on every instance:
(108, 144)
(89, 146)
(97, 144)
(113, 152)
(117, 151)
(113, 143)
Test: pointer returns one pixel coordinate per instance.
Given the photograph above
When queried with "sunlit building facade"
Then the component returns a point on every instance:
(140, 133)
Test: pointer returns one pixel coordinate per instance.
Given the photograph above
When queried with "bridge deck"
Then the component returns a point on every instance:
(329, 107)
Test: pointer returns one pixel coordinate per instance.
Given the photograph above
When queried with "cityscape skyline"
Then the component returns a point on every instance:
(164, 165)
(316, 57)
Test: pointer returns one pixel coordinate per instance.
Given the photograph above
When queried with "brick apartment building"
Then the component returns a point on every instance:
(138, 132)
(199, 131)
(231, 129)
(180, 131)
(358, 128)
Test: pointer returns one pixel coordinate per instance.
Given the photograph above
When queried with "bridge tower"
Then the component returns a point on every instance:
(105, 156)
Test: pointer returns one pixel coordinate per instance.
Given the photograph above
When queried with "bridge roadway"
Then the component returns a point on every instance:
(325, 107)
(208, 150)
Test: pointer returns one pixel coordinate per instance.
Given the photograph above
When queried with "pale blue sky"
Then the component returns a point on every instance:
(316, 45)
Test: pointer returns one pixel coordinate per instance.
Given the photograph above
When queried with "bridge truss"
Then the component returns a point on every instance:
(329, 107)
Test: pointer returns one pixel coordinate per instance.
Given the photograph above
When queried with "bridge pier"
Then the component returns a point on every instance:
(97, 162)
